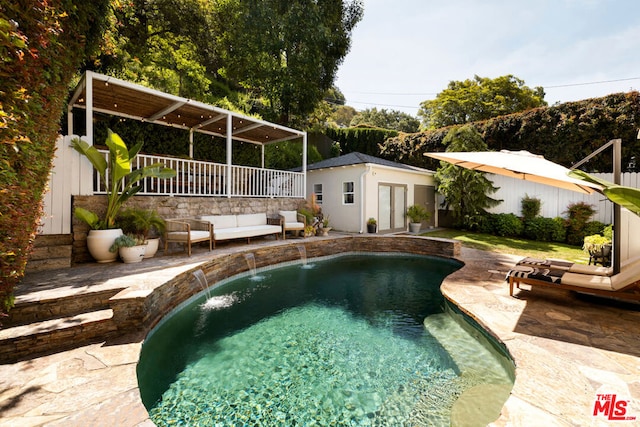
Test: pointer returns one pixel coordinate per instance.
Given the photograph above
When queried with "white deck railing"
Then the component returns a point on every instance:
(198, 178)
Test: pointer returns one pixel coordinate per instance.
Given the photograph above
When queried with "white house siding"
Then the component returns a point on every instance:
(366, 177)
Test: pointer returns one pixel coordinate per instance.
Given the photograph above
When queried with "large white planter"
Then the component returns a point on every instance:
(152, 247)
(99, 242)
(414, 227)
(132, 254)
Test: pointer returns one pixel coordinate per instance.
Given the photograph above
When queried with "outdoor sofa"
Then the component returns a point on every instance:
(243, 226)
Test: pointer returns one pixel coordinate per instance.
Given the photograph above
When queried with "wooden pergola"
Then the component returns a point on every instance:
(98, 93)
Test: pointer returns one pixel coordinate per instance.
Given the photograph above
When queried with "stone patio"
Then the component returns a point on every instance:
(567, 349)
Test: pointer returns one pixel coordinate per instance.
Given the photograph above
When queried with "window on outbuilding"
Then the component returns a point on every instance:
(348, 194)
(317, 190)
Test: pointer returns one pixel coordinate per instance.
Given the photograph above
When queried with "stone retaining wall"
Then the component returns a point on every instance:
(50, 252)
(142, 309)
(175, 207)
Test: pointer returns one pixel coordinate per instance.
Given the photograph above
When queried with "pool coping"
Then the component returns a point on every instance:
(559, 370)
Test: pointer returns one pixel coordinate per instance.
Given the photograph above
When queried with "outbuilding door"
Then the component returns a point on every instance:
(392, 205)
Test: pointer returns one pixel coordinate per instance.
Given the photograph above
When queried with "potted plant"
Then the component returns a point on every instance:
(325, 226)
(131, 248)
(372, 225)
(309, 231)
(599, 248)
(416, 215)
(145, 224)
(121, 183)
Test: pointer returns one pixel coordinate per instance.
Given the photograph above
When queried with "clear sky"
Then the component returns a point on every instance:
(404, 52)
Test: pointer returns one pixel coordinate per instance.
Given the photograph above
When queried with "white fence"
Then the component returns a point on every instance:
(554, 200)
(198, 178)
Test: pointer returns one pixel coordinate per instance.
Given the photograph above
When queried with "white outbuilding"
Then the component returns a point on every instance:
(354, 187)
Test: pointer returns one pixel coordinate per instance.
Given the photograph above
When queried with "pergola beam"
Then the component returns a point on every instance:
(167, 110)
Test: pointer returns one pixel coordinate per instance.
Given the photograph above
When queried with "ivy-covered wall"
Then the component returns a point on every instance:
(42, 45)
(565, 133)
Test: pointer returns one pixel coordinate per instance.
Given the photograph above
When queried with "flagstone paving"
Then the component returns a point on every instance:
(567, 349)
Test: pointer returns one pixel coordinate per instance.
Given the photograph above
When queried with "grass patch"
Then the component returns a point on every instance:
(514, 246)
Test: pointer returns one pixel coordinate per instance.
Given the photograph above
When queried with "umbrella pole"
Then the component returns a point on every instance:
(617, 211)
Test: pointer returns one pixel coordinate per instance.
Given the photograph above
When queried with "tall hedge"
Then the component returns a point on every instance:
(363, 139)
(563, 133)
(42, 45)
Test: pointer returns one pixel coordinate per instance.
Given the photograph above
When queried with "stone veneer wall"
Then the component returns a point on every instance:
(142, 309)
(175, 207)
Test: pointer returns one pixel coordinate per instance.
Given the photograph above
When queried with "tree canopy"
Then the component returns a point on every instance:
(277, 59)
(286, 52)
(479, 99)
(466, 192)
(391, 119)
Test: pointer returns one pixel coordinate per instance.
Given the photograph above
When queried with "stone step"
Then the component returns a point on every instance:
(50, 336)
(33, 308)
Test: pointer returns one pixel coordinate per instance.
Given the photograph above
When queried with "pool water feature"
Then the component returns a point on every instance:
(349, 342)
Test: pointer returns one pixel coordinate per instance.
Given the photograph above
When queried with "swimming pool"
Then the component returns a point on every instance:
(354, 340)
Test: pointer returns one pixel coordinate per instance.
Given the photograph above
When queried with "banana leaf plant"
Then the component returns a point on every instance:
(116, 176)
(627, 197)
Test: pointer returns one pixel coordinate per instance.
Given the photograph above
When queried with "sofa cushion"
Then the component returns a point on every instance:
(244, 232)
(221, 221)
(248, 220)
(289, 216)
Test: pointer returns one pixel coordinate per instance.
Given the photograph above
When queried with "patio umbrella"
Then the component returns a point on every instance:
(519, 165)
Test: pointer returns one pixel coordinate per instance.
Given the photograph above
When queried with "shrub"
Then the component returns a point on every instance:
(559, 231)
(545, 229)
(507, 225)
(593, 227)
(579, 214)
(486, 224)
(530, 208)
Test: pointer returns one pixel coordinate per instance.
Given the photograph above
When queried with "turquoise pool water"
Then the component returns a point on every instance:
(349, 341)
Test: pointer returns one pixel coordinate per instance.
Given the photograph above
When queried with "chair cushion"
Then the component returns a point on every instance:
(182, 236)
(289, 216)
(294, 226)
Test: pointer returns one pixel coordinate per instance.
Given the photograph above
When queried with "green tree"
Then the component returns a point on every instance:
(479, 99)
(288, 155)
(285, 52)
(391, 119)
(343, 115)
(465, 191)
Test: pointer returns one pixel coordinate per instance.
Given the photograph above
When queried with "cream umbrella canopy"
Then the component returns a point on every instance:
(520, 165)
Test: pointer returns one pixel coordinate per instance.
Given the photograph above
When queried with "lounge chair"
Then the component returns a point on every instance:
(187, 231)
(560, 264)
(292, 221)
(580, 278)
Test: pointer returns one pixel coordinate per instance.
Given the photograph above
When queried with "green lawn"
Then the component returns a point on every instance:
(515, 246)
